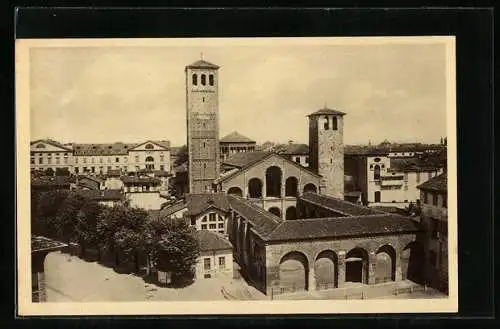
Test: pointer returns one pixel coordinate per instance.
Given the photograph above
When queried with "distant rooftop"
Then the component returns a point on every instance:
(235, 137)
(200, 202)
(292, 149)
(437, 183)
(211, 241)
(327, 111)
(202, 64)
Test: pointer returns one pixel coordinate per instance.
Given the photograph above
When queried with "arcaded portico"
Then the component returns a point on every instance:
(353, 244)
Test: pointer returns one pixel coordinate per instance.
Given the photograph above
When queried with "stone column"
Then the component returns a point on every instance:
(372, 265)
(341, 269)
(398, 276)
(264, 188)
(312, 279)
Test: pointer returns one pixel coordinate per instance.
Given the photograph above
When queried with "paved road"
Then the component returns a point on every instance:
(69, 278)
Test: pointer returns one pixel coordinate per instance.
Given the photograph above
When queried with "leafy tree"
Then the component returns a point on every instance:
(67, 214)
(46, 221)
(62, 172)
(182, 156)
(49, 172)
(176, 248)
(86, 225)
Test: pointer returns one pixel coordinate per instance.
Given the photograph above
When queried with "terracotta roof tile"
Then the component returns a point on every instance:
(198, 203)
(327, 111)
(338, 205)
(101, 195)
(292, 149)
(235, 137)
(436, 183)
(202, 64)
(209, 241)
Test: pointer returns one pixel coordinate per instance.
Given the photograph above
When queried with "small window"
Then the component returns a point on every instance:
(326, 124)
(445, 200)
(211, 79)
(434, 199)
(212, 226)
(149, 147)
(334, 123)
(195, 79)
(162, 167)
(222, 262)
(220, 225)
(162, 158)
(203, 99)
(117, 159)
(40, 160)
(297, 159)
(203, 79)
(136, 158)
(32, 160)
(204, 226)
(206, 263)
(211, 217)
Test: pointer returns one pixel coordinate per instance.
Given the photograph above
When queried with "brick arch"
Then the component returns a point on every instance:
(326, 270)
(255, 187)
(291, 186)
(385, 266)
(235, 190)
(274, 177)
(310, 187)
(357, 262)
(294, 272)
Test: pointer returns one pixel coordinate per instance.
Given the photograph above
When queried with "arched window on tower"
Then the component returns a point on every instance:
(211, 79)
(203, 79)
(195, 79)
(334, 123)
(326, 123)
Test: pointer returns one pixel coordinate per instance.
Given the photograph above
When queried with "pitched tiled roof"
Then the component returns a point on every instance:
(102, 149)
(201, 64)
(198, 203)
(209, 241)
(365, 150)
(51, 181)
(101, 195)
(53, 143)
(245, 159)
(437, 183)
(415, 165)
(341, 227)
(326, 111)
(169, 210)
(140, 180)
(41, 243)
(338, 205)
(235, 137)
(291, 149)
(262, 221)
(162, 143)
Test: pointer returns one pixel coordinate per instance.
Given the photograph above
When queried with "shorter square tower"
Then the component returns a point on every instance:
(326, 150)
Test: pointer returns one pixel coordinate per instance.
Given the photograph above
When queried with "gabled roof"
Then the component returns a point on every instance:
(437, 183)
(326, 111)
(163, 143)
(292, 149)
(53, 143)
(365, 150)
(235, 137)
(172, 209)
(338, 205)
(101, 195)
(198, 203)
(202, 64)
(245, 160)
(211, 241)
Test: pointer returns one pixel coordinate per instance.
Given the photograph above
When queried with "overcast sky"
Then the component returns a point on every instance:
(130, 94)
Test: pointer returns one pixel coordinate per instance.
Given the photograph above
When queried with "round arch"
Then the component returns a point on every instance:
(310, 188)
(255, 188)
(385, 268)
(291, 213)
(275, 211)
(413, 261)
(356, 267)
(291, 184)
(326, 270)
(273, 182)
(293, 272)
(235, 191)
(150, 159)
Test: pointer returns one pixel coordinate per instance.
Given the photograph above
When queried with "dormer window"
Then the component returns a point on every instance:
(195, 79)
(203, 79)
(211, 79)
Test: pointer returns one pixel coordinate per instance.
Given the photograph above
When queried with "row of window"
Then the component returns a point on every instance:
(101, 169)
(203, 79)
(50, 154)
(207, 263)
(49, 160)
(333, 126)
(297, 160)
(125, 159)
(213, 227)
(212, 218)
(432, 198)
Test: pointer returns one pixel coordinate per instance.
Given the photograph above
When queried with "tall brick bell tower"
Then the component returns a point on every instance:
(326, 150)
(202, 106)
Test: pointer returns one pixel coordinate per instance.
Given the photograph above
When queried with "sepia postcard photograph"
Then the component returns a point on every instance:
(236, 176)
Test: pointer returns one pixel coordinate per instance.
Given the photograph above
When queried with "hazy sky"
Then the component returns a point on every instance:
(130, 94)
